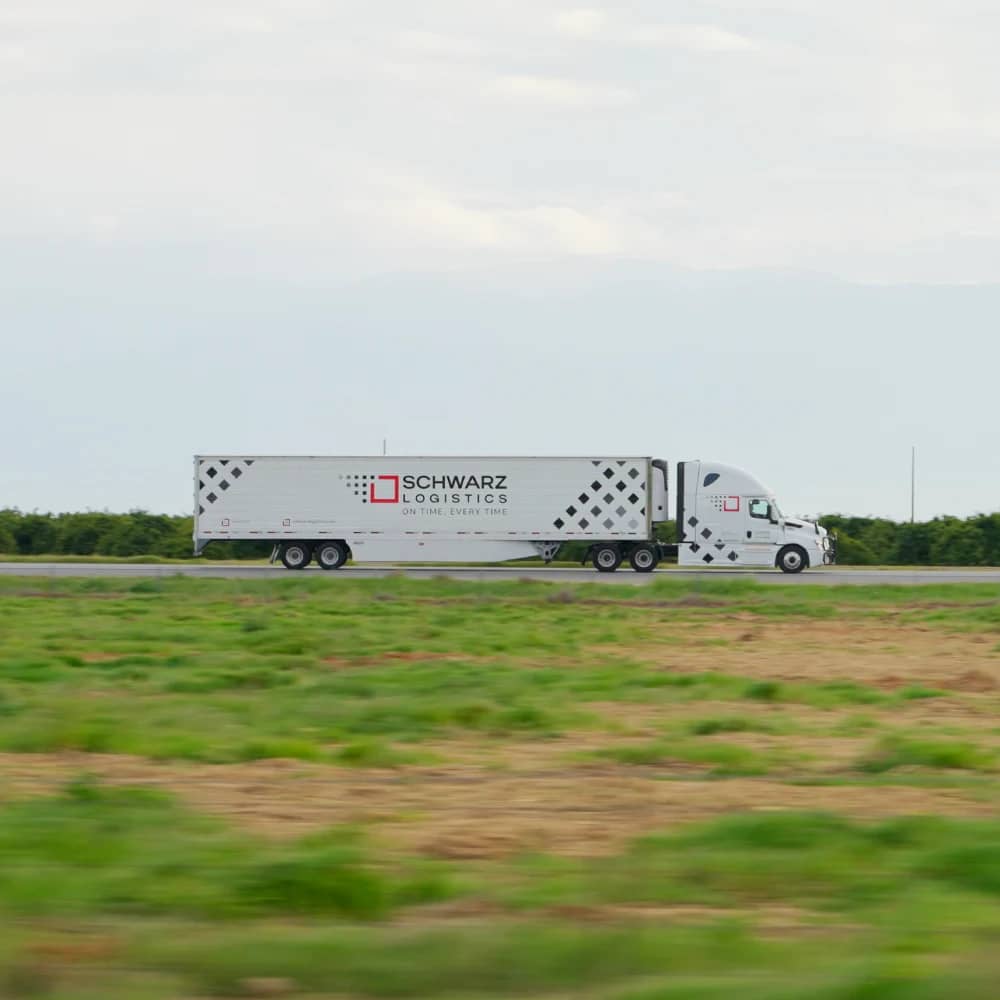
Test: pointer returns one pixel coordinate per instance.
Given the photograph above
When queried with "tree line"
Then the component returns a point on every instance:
(93, 533)
(943, 541)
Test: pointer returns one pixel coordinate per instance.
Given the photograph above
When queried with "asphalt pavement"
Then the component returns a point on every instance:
(560, 574)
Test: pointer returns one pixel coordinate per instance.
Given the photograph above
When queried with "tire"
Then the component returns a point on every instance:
(792, 559)
(296, 555)
(330, 555)
(606, 558)
(643, 559)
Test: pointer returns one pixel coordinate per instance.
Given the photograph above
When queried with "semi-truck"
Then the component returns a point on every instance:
(330, 509)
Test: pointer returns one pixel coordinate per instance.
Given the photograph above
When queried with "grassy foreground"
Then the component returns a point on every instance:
(400, 788)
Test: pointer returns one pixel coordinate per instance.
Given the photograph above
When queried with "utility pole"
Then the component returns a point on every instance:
(913, 484)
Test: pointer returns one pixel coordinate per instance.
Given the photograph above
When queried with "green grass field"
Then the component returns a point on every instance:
(316, 786)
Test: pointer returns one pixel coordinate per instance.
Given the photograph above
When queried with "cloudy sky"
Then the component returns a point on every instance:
(762, 232)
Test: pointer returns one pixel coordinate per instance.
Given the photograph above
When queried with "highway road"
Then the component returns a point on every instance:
(255, 571)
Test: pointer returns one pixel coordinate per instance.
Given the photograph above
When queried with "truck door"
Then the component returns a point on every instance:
(762, 532)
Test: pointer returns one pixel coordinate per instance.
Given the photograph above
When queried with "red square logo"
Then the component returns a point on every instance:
(385, 489)
(731, 505)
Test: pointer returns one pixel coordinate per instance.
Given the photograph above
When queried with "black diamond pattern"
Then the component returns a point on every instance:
(212, 472)
(591, 504)
(211, 498)
(558, 522)
(706, 532)
(732, 557)
(224, 485)
(693, 521)
(708, 557)
(236, 473)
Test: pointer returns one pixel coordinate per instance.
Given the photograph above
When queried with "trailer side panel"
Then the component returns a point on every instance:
(380, 498)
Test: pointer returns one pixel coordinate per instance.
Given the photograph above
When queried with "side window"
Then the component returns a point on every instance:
(760, 508)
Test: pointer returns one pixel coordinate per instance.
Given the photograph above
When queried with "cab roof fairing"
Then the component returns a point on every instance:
(730, 480)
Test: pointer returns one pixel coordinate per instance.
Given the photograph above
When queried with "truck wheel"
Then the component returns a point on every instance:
(643, 559)
(606, 558)
(330, 555)
(792, 559)
(295, 555)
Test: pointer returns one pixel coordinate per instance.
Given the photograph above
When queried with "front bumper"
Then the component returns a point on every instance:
(829, 550)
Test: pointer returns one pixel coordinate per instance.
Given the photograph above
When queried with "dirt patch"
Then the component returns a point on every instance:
(58, 595)
(684, 601)
(887, 654)
(767, 918)
(974, 680)
(771, 917)
(465, 811)
(393, 656)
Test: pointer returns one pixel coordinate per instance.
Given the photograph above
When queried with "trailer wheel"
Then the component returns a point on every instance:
(643, 559)
(792, 559)
(295, 555)
(330, 555)
(606, 558)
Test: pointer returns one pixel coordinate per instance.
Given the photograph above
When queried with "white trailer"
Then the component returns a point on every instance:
(477, 509)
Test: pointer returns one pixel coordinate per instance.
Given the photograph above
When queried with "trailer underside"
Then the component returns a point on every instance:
(606, 555)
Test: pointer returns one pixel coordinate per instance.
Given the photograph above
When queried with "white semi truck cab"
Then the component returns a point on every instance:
(725, 516)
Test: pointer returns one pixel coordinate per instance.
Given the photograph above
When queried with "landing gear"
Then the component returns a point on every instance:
(643, 558)
(295, 555)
